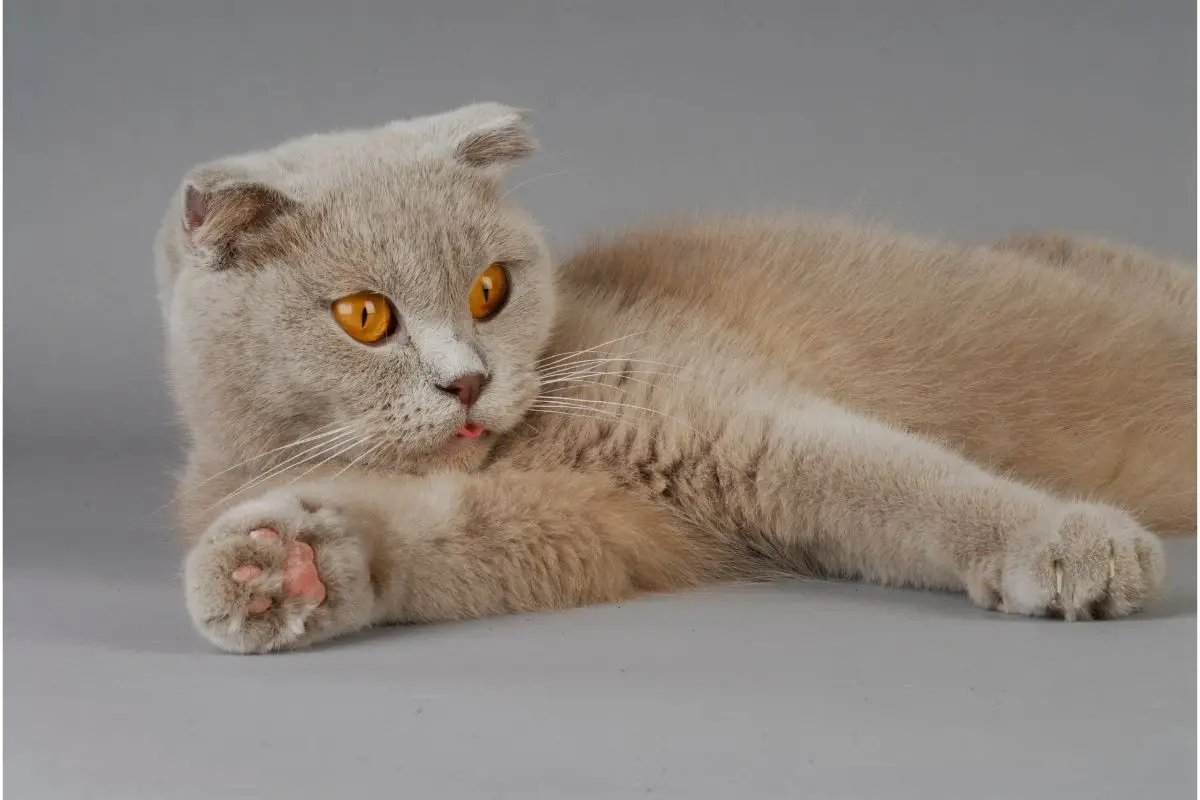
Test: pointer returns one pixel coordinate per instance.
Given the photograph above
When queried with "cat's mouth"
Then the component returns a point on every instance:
(470, 430)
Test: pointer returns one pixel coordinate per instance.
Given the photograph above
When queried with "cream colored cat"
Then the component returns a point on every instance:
(402, 410)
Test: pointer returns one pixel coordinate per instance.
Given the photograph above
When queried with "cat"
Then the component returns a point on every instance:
(402, 410)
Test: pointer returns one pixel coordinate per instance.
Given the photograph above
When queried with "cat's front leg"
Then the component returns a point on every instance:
(863, 499)
(302, 564)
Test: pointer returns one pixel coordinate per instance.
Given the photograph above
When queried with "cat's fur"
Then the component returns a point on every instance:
(745, 398)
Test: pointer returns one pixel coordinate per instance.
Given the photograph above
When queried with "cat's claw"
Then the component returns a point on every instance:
(1076, 563)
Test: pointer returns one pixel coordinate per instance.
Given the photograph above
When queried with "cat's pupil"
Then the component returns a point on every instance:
(364, 317)
(487, 289)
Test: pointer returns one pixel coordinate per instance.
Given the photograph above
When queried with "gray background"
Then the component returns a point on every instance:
(967, 119)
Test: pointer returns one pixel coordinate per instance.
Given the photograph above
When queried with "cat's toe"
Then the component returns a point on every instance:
(1083, 562)
(246, 572)
(265, 534)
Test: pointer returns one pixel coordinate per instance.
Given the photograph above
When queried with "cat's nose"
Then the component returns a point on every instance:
(466, 387)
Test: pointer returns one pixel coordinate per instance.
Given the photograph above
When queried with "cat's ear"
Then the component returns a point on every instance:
(224, 207)
(485, 136)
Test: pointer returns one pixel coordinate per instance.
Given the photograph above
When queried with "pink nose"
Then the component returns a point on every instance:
(466, 388)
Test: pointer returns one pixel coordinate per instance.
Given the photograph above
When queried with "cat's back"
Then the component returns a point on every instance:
(843, 308)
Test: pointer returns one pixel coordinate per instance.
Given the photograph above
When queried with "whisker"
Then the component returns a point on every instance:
(293, 462)
(627, 375)
(593, 363)
(622, 405)
(591, 409)
(567, 360)
(592, 412)
(597, 358)
(320, 433)
(320, 464)
(570, 382)
(565, 384)
(567, 413)
(562, 356)
(664, 414)
(591, 370)
(360, 458)
(528, 181)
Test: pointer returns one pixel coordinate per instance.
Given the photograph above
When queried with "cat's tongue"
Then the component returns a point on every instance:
(472, 430)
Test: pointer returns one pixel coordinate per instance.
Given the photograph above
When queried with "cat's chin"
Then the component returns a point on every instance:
(462, 453)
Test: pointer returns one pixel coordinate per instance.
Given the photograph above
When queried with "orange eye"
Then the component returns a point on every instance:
(488, 292)
(366, 316)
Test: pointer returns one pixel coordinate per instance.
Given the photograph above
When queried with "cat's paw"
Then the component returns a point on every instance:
(278, 572)
(1076, 562)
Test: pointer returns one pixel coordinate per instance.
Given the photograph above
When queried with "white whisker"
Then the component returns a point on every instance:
(541, 406)
(591, 370)
(627, 375)
(360, 458)
(295, 461)
(320, 433)
(320, 464)
(585, 412)
(528, 181)
(622, 405)
(582, 380)
(567, 413)
(584, 400)
(562, 356)
(595, 363)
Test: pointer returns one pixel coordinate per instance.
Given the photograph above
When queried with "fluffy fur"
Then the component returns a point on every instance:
(688, 404)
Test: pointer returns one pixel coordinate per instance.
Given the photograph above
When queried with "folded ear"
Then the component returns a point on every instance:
(485, 136)
(225, 208)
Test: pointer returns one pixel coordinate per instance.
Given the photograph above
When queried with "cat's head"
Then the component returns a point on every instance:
(373, 288)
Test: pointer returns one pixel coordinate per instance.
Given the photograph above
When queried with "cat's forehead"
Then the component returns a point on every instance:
(365, 169)
(423, 232)
(419, 211)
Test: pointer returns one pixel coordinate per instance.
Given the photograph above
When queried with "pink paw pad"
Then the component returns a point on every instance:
(246, 572)
(258, 605)
(300, 578)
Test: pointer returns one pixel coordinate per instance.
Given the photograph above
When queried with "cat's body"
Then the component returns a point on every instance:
(713, 401)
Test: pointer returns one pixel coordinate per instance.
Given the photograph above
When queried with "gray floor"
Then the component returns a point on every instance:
(809, 689)
(968, 119)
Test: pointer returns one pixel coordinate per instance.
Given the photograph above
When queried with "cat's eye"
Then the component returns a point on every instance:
(367, 316)
(488, 292)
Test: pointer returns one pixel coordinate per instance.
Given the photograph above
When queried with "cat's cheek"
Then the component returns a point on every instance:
(507, 405)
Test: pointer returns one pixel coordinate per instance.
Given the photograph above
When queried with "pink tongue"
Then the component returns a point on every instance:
(472, 430)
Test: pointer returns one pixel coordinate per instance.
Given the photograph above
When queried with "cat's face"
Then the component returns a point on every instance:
(263, 265)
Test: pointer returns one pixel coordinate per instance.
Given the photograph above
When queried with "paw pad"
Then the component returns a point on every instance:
(246, 572)
(258, 605)
(300, 576)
